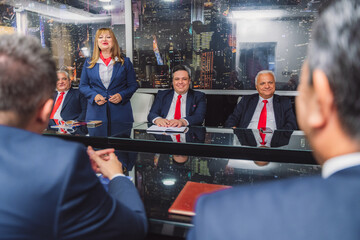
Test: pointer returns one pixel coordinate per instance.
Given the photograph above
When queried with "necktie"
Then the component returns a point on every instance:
(262, 121)
(178, 108)
(178, 138)
(57, 104)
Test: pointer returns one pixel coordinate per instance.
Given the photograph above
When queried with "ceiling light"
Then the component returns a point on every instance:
(258, 14)
(109, 7)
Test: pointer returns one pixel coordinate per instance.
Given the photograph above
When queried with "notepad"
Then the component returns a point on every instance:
(184, 204)
(155, 128)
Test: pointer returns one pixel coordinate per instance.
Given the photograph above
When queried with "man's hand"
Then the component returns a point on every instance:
(105, 161)
(116, 98)
(162, 122)
(99, 99)
(104, 154)
(177, 123)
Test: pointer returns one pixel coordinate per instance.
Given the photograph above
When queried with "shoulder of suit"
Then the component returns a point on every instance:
(252, 96)
(195, 92)
(164, 92)
(281, 98)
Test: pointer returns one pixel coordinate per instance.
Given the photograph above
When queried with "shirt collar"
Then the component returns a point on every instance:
(112, 61)
(183, 96)
(339, 163)
(65, 92)
(270, 100)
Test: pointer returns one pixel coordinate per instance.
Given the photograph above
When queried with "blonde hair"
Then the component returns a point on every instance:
(115, 50)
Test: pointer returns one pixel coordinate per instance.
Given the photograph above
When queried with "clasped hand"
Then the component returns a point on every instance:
(162, 122)
(100, 100)
(105, 162)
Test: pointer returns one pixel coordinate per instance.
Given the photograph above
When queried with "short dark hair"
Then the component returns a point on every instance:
(335, 49)
(27, 75)
(181, 68)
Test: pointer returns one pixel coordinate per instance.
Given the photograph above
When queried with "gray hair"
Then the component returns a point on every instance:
(335, 49)
(64, 72)
(28, 75)
(264, 72)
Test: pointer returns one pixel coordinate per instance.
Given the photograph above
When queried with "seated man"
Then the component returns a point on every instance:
(328, 111)
(264, 109)
(180, 106)
(70, 104)
(48, 188)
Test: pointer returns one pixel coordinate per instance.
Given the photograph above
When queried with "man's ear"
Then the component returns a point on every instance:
(323, 100)
(45, 111)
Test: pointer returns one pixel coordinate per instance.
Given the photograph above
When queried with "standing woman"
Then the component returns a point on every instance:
(108, 81)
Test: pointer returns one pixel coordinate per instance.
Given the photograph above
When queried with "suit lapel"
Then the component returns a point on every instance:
(67, 98)
(95, 72)
(251, 109)
(116, 68)
(276, 106)
(167, 104)
(189, 101)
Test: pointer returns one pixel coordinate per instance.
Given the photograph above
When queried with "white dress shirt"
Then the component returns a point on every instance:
(270, 117)
(171, 112)
(339, 163)
(58, 111)
(105, 72)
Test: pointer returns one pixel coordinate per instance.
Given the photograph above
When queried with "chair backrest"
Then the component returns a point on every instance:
(141, 104)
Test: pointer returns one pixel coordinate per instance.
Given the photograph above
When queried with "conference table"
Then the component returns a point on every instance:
(161, 163)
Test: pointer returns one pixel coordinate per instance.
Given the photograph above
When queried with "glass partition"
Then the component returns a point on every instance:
(224, 42)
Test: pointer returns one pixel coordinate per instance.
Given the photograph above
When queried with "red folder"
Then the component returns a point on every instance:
(185, 202)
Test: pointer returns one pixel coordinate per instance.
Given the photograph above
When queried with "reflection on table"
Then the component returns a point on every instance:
(284, 146)
(160, 178)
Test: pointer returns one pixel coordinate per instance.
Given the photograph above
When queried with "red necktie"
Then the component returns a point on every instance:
(262, 121)
(178, 108)
(57, 104)
(178, 138)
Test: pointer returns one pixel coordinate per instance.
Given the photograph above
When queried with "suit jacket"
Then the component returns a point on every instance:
(195, 106)
(123, 81)
(49, 191)
(309, 208)
(244, 111)
(74, 105)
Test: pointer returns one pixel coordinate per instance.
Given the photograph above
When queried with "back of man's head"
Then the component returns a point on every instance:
(335, 49)
(28, 77)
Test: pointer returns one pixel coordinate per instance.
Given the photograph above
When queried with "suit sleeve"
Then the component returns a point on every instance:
(87, 211)
(234, 118)
(155, 110)
(197, 116)
(290, 119)
(84, 86)
(131, 84)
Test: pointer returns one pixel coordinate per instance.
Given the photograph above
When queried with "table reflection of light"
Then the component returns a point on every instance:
(169, 181)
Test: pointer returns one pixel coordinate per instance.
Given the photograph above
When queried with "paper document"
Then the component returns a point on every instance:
(155, 128)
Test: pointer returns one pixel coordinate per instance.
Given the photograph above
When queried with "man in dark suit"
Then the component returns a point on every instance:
(328, 111)
(73, 103)
(191, 104)
(280, 114)
(49, 189)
